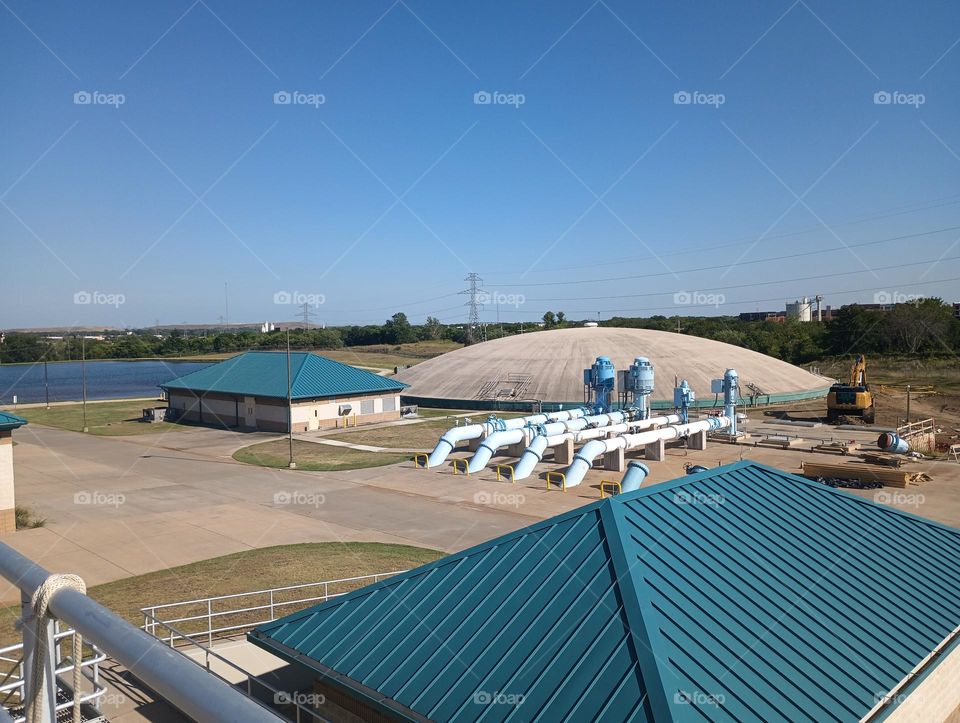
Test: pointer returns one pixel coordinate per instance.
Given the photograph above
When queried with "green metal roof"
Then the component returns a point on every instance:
(742, 593)
(264, 374)
(10, 421)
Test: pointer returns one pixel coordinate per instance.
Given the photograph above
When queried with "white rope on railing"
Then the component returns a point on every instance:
(40, 604)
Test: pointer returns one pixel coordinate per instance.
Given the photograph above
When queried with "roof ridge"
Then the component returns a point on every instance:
(643, 636)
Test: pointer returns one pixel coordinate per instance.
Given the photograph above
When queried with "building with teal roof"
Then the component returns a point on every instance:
(251, 390)
(743, 593)
(8, 514)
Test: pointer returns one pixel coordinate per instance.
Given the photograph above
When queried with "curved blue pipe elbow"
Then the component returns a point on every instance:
(583, 461)
(636, 473)
(531, 457)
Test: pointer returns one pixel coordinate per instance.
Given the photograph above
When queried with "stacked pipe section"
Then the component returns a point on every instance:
(455, 435)
(584, 458)
(491, 444)
(553, 435)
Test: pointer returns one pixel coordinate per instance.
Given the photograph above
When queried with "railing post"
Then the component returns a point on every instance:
(49, 695)
(272, 617)
(326, 591)
(209, 621)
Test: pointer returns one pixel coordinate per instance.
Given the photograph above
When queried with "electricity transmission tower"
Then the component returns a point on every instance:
(306, 314)
(475, 302)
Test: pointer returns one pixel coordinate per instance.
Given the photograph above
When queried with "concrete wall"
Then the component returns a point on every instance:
(8, 518)
(269, 414)
(936, 697)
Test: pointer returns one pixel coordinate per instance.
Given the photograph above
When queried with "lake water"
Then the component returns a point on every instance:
(105, 379)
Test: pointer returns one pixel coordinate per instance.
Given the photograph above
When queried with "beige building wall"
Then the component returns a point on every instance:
(8, 516)
(936, 698)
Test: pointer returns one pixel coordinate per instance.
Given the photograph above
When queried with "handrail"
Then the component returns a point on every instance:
(173, 676)
(416, 460)
(466, 466)
(507, 467)
(208, 653)
(561, 475)
(611, 483)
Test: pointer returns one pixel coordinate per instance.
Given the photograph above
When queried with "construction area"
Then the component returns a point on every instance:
(655, 452)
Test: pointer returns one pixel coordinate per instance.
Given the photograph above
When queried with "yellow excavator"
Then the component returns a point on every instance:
(854, 399)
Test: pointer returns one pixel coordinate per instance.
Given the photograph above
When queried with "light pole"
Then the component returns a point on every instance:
(83, 377)
(292, 464)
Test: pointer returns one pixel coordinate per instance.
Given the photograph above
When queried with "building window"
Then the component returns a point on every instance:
(366, 406)
(389, 404)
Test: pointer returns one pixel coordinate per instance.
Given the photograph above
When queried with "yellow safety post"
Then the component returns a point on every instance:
(418, 457)
(604, 483)
(507, 467)
(466, 466)
(561, 475)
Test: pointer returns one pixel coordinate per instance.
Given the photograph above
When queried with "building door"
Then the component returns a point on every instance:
(250, 412)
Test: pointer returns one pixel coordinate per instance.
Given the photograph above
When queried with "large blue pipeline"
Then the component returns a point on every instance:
(889, 442)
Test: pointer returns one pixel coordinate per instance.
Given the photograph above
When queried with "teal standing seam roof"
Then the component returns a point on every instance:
(10, 421)
(743, 593)
(264, 373)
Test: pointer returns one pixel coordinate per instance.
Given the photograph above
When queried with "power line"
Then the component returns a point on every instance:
(475, 302)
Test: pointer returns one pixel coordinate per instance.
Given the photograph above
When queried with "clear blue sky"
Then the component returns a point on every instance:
(387, 194)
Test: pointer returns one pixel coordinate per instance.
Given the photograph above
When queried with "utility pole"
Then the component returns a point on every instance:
(679, 328)
(46, 382)
(83, 377)
(475, 303)
(292, 464)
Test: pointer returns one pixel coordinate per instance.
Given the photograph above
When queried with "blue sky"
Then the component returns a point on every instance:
(602, 192)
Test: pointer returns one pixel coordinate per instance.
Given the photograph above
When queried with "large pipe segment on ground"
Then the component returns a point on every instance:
(454, 435)
(492, 443)
(552, 435)
(583, 459)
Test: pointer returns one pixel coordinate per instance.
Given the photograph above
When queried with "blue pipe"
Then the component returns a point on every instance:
(532, 456)
(890, 442)
(636, 473)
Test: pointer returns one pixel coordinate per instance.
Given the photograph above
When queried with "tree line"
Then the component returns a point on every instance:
(925, 327)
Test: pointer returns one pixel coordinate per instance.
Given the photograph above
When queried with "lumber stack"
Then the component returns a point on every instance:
(863, 473)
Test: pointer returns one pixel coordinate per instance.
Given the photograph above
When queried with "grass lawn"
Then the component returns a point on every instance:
(266, 568)
(314, 457)
(420, 435)
(388, 357)
(106, 418)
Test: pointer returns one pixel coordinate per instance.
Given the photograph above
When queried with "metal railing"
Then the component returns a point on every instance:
(13, 684)
(223, 615)
(172, 676)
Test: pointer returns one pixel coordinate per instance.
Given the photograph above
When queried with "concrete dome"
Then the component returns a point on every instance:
(548, 366)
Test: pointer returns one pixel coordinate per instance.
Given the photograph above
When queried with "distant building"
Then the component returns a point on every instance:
(8, 515)
(763, 316)
(250, 391)
(801, 309)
